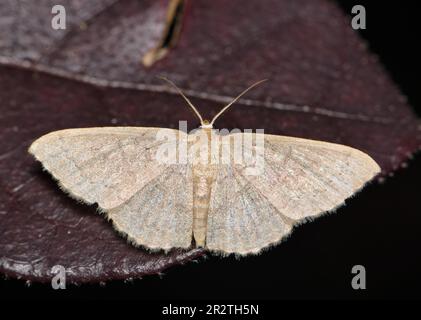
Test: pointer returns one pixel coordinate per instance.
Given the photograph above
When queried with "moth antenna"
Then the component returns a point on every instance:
(233, 101)
(202, 122)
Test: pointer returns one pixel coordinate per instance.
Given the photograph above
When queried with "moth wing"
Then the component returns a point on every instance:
(297, 179)
(305, 178)
(103, 165)
(241, 220)
(148, 200)
(160, 215)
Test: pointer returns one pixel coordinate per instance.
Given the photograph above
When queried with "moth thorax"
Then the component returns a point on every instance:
(202, 187)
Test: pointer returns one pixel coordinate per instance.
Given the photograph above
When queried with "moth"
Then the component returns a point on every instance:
(205, 201)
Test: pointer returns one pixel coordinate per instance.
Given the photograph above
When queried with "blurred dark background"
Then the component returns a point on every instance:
(393, 32)
(379, 228)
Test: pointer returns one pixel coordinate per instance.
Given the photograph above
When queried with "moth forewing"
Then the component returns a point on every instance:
(225, 148)
(182, 143)
(236, 146)
(253, 151)
(167, 151)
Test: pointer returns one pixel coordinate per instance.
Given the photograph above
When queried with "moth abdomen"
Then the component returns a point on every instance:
(202, 185)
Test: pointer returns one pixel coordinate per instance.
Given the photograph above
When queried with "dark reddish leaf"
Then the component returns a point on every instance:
(323, 85)
(41, 226)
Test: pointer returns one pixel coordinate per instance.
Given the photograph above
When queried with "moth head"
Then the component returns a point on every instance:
(206, 124)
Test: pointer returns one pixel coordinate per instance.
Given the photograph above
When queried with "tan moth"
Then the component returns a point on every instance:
(211, 201)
